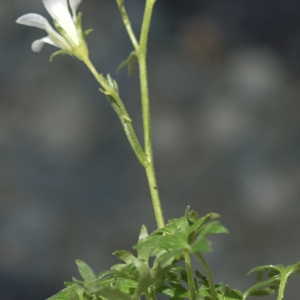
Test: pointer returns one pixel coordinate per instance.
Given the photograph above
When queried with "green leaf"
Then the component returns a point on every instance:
(77, 293)
(204, 293)
(126, 285)
(104, 274)
(176, 291)
(113, 293)
(193, 231)
(273, 271)
(191, 215)
(187, 224)
(295, 268)
(167, 258)
(112, 84)
(262, 268)
(145, 279)
(115, 280)
(166, 242)
(85, 271)
(262, 292)
(62, 295)
(259, 275)
(125, 256)
(232, 294)
(87, 32)
(144, 253)
(123, 271)
(201, 245)
(277, 277)
(213, 227)
(67, 284)
(60, 52)
(67, 293)
(130, 62)
(174, 276)
(203, 281)
(133, 277)
(143, 233)
(118, 267)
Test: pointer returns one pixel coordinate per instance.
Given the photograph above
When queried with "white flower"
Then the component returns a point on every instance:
(59, 11)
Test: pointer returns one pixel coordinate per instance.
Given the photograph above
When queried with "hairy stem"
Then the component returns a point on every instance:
(208, 275)
(284, 277)
(190, 275)
(150, 172)
(119, 108)
(127, 24)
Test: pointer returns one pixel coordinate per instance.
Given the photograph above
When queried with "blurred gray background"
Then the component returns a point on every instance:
(225, 99)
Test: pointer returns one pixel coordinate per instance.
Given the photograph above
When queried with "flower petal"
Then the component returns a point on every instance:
(74, 5)
(34, 20)
(59, 11)
(56, 38)
(38, 44)
(56, 8)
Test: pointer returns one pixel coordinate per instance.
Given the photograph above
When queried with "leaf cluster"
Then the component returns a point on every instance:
(154, 268)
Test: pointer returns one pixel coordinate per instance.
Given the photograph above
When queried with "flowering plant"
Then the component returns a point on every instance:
(154, 269)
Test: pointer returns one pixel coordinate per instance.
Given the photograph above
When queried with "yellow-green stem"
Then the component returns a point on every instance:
(208, 275)
(284, 278)
(150, 172)
(189, 274)
(127, 24)
(120, 109)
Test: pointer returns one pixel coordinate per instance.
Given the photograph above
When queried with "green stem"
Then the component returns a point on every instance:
(145, 156)
(208, 275)
(281, 289)
(284, 277)
(190, 275)
(150, 172)
(147, 295)
(153, 295)
(121, 111)
(150, 295)
(127, 24)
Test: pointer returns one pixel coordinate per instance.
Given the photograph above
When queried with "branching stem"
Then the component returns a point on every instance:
(144, 156)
